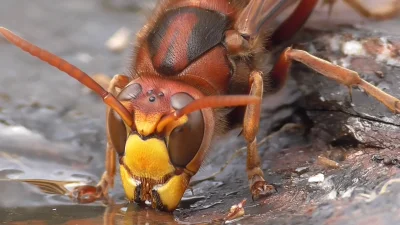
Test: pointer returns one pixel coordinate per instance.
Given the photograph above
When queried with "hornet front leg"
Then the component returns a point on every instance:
(89, 193)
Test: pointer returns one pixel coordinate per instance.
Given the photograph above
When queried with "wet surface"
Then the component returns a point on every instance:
(318, 148)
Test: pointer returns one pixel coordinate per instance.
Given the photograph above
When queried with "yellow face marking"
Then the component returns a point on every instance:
(171, 193)
(147, 158)
(128, 183)
(146, 123)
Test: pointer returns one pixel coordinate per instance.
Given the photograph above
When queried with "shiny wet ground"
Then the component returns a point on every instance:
(52, 129)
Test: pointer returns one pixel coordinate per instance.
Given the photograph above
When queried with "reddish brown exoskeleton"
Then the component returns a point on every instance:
(196, 63)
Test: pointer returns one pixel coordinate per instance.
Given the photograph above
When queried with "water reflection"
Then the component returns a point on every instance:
(53, 206)
(135, 214)
(125, 214)
(60, 212)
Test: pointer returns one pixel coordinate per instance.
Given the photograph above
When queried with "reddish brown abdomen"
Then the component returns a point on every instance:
(182, 36)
